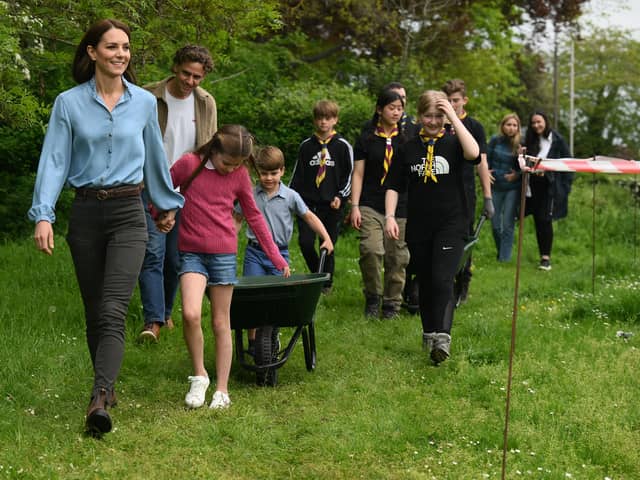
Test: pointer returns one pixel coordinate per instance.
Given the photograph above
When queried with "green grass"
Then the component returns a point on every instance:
(374, 408)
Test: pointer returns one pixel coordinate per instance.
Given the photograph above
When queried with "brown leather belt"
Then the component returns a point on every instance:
(112, 192)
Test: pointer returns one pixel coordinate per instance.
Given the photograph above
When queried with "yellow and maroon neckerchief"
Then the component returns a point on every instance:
(322, 168)
(461, 117)
(388, 152)
(428, 159)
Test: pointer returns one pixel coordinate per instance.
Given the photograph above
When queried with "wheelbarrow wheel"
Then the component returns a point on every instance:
(267, 346)
(309, 345)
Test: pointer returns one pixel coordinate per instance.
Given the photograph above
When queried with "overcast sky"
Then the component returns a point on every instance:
(615, 14)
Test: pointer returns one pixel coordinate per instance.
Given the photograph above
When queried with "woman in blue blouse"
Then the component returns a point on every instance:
(502, 157)
(103, 139)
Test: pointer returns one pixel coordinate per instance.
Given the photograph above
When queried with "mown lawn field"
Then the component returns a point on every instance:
(375, 407)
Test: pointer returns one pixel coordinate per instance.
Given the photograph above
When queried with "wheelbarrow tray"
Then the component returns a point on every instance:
(278, 301)
(268, 303)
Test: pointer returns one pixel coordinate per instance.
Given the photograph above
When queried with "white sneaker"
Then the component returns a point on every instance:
(195, 396)
(220, 401)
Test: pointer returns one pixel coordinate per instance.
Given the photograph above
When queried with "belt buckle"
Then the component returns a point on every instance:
(102, 195)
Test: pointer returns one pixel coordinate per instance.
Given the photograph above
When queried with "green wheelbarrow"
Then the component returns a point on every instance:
(269, 303)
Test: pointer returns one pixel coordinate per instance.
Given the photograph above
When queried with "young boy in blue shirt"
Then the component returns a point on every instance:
(279, 205)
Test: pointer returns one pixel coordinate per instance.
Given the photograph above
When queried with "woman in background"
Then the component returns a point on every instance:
(549, 198)
(502, 157)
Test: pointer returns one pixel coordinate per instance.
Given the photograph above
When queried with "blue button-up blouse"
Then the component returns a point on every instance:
(86, 145)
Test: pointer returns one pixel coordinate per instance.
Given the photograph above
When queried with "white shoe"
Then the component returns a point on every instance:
(195, 396)
(220, 401)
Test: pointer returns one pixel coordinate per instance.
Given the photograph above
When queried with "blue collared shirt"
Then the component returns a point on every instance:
(279, 212)
(88, 146)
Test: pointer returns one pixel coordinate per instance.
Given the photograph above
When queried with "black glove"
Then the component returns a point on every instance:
(488, 210)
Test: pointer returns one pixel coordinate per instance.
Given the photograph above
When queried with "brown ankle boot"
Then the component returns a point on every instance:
(112, 399)
(98, 420)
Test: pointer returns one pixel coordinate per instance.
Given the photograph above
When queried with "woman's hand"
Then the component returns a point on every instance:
(43, 237)
(286, 272)
(511, 177)
(335, 203)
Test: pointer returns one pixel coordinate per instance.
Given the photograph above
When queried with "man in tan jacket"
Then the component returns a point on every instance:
(188, 119)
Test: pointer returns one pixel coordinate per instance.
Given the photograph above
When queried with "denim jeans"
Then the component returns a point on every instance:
(159, 275)
(256, 262)
(504, 220)
(107, 240)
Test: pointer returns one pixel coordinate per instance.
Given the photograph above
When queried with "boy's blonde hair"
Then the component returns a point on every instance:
(269, 158)
(326, 109)
(428, 98)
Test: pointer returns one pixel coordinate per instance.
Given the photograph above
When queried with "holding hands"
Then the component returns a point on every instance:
(166, 220)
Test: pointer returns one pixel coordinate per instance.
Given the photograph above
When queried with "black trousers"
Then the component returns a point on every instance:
(107, 239)
(331, 220)
(436, 260)
(544, 235)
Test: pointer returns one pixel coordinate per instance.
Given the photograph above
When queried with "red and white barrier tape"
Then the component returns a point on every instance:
(597, 164)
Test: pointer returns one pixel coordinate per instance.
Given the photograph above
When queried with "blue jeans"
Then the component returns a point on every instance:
(158, 278)
(256, 262)
(504, 220)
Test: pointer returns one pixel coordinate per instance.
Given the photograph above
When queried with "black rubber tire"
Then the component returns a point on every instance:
(266, 345)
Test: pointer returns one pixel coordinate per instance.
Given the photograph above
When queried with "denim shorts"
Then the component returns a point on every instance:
(219, 268)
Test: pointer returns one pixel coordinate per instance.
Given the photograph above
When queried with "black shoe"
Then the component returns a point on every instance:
(389, 311)
(545, 264)
(372, 306)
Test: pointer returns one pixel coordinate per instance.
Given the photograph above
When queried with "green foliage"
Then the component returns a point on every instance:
(275, 58)
(607, 94)
(254, 91)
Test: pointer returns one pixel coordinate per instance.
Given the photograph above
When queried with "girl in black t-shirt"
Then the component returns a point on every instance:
(429, 168)
(375, 151)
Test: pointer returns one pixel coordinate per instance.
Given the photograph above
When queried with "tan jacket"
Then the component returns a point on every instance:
(205, 108)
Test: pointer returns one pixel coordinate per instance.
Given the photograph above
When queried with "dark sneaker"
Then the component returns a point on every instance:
(545, 264)
(441, 347)
(389, 311)
(372, 306)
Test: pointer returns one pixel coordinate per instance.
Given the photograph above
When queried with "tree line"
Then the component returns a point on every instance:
(275, 58)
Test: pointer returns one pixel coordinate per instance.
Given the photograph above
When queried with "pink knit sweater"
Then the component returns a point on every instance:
(206, 221)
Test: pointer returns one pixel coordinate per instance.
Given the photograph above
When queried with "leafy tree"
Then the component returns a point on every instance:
(607, 93)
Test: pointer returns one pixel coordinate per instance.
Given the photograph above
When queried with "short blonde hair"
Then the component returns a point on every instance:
(429, 98)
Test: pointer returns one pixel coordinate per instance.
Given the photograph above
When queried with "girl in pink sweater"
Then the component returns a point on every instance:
(211, 180)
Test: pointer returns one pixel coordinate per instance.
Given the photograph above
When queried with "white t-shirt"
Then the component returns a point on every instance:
(545, 146)
(180, 134)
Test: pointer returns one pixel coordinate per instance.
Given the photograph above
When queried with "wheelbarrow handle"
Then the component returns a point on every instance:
(323, 257)
(481, 220)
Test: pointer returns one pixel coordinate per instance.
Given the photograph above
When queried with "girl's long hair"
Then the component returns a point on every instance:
(515, 140)
(232, 140)
(385, 97)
